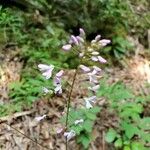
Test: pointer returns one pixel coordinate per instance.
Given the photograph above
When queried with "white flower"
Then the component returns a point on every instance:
(91, 99)
(101, 59)
(94, 58)
(88, 104)
(67, 47)
(69, 135)
(46, 69)
(74, 40)
(78, 121)
(45, 90)
(40, 118)
(94, 88)
(58, 89)
(81, 54)
(97, 68)
(84, 68)
(97, 38)
(82, 33)
(104, 42)
(95, 53)
(92, 76)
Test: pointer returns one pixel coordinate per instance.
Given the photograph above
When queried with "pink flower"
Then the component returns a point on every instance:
(67, 47)
(101, 59)
(46, 69)
(60, 73)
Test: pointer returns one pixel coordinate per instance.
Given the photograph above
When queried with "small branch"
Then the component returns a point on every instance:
(16, 115)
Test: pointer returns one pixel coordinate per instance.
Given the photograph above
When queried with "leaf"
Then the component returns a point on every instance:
(130, 129)
(118, 143)
(84, 139)
(137, 146)
(91, 116)
(87, 125)
(111, 135)
(126, 148)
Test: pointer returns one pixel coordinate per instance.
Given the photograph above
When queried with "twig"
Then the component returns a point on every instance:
(26, 136)
(16, 115)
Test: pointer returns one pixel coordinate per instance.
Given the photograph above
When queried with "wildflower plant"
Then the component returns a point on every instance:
(79, 121)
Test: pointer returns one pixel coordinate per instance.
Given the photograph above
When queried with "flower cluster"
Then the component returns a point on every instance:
(89, 54)
(47, 71)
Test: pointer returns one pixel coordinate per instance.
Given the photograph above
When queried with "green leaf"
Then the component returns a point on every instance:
(111, 135)
(137, 146)
(118, 143)
(84, 139)
(130, 129)
(126, 148)
(87, 125)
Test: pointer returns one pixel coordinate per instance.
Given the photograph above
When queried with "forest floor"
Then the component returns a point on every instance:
(30, 135)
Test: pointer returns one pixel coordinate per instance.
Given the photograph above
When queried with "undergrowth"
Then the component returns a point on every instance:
(132, 133)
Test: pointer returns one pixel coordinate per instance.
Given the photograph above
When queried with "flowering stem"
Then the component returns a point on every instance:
(68, 102)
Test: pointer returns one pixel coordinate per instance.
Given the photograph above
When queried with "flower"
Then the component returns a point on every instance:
(67, 47)
(82, 33)
(97, 38)
(78, 121)
(94, 88)
(104, 42)
(46, 69)
(45, 90)
(60, 73)
(84, 68)
(81, 54)
(88, 104)
(74, 40)
(69, 135)
(95, 53)
(80, 39)
(40, 118)
(94, 58)
(59, 130)
(58, 89)
(92, 78)
(91, 99)
(101, 59)
(88, 101)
